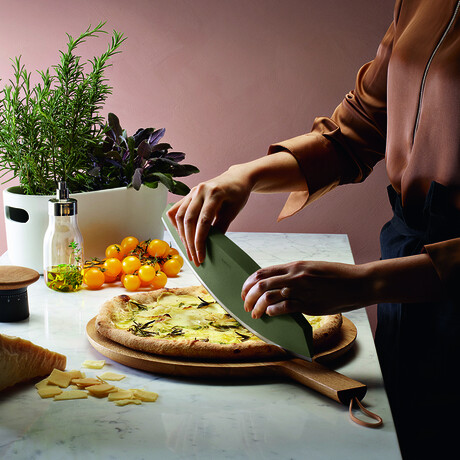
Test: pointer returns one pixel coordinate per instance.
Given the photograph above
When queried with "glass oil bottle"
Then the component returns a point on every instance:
(63, 244)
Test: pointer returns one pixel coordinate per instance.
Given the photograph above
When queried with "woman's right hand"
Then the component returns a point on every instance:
(214, 202)
(218, 201)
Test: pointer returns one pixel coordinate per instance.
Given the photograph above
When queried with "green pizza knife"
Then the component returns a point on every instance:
(223, 273)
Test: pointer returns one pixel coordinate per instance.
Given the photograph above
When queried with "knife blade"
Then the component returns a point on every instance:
(223, 273)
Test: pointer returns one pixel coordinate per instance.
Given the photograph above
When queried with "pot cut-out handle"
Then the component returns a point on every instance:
(16, 214)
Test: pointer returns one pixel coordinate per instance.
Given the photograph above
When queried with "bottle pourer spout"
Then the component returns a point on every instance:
(62, 192)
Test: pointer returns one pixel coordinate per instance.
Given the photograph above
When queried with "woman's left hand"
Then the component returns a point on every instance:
(314, 288)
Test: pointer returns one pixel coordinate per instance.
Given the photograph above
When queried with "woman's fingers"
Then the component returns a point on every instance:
(190, 222)
(286, 306)
(177, 216)
(276, 302)
(173, 211)
(272, 303)
(262, 279)
(264, 288)
(206, 218)
(193, 217)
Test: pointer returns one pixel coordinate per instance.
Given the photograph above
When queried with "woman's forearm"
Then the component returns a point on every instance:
(406, 279)
(278, 172)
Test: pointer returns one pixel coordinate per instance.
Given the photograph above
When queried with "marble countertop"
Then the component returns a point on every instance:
(273, 418)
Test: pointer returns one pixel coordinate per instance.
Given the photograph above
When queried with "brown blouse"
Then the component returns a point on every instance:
(405, 108)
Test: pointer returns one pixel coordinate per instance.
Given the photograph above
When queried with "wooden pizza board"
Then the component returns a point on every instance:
(312, 374)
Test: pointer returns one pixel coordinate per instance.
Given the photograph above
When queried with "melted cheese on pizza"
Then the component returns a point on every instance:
(188, 317)
(315, 321)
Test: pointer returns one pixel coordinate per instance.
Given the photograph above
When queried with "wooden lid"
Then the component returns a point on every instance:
(14, 277)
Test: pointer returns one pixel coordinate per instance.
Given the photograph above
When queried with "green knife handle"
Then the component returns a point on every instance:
(317, 377)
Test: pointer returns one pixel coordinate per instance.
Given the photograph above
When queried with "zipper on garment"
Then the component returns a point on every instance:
(425, 73)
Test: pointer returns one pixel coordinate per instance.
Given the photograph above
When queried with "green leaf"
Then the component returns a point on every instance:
(151, 184)
(165, 179)
(180, 188)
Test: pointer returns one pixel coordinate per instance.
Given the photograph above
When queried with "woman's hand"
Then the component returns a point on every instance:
(314, 288)
(215, 202)
(325, 288)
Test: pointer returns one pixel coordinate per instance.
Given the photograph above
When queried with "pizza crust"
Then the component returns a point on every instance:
(328, 332)
(198, 349)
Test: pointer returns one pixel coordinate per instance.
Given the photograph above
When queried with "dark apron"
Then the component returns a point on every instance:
(419, 344)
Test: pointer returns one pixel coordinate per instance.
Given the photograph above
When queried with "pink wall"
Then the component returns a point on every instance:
(225, 78)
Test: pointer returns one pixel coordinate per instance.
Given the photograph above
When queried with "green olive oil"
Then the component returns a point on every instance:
(64, 277)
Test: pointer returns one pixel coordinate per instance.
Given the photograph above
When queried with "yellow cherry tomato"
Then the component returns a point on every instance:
(145, 284)
(171, 268)
(158, 248)
(159, 281)
(130, 264)
(179, 259)
(113, 266)
(114, 250)
(94, 278)
(131, 282)
(147, 272)
(110, 278)
(172, 252)
(128, 244)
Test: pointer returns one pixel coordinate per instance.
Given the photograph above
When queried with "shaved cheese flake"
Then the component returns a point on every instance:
(93, 364)
(100, 390)
(71, 394)
(112, 376)
(124, 402)
(49, 391)
(120, 394)
(146, 396)
(86, 382)
(76, 374)
(41, 383)
(59, 378)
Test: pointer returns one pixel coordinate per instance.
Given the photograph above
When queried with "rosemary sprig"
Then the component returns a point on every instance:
(140, 329)
(243, 337)
(203, 303)
(176, 331)
(138, 305)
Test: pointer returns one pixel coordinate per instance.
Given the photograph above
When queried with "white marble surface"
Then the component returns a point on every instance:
(192, 420)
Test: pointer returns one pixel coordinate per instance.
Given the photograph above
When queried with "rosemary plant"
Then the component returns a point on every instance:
(48, 130)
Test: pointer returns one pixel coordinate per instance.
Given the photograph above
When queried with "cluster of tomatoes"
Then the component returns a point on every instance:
(136, 264)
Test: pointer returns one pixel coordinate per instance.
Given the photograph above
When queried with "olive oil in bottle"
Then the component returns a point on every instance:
(63, 244)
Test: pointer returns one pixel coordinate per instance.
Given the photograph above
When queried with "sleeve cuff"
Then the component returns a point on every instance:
(317, 159)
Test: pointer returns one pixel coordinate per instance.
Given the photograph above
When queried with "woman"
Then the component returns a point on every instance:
(405, 108)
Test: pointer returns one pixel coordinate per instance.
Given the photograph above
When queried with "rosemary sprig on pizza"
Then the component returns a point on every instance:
(188, 322)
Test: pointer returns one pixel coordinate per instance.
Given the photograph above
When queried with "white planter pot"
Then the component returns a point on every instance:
(104, 217)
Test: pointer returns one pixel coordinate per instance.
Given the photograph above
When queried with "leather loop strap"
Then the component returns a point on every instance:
(364, 411)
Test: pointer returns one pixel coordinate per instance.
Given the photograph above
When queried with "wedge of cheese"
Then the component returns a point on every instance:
(21, 360)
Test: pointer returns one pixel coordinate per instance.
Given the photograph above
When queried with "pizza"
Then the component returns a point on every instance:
(188, 322)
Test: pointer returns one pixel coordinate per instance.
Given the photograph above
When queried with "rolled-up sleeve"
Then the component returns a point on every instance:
(345, 147)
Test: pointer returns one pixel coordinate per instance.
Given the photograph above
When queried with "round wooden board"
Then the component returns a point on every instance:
(206, 369)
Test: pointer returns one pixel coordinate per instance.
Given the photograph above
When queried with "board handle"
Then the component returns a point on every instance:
(322, 379)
